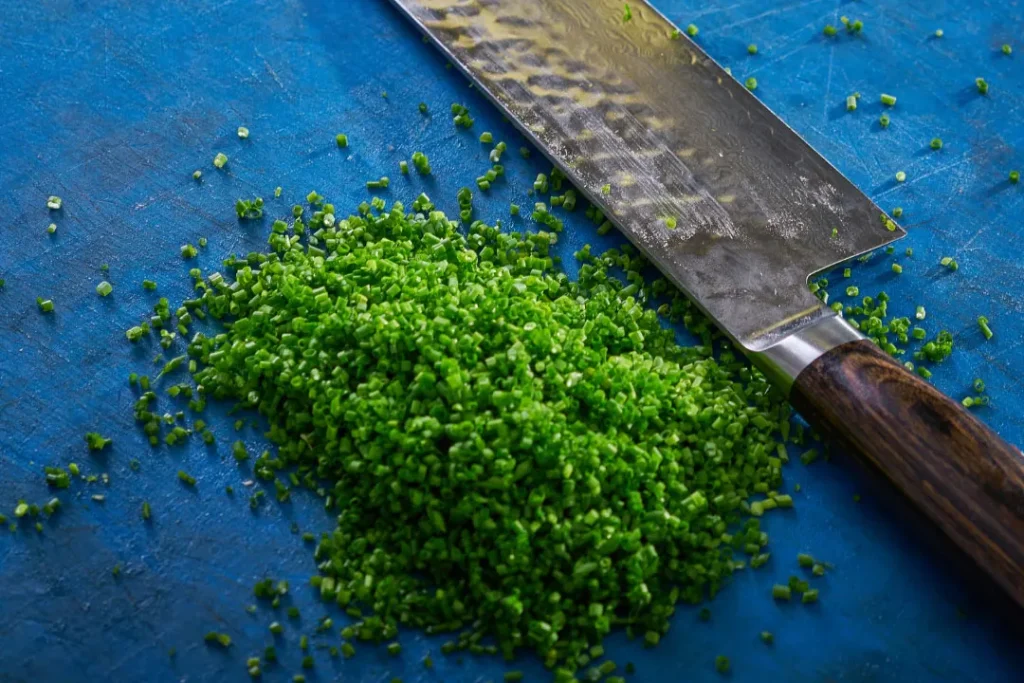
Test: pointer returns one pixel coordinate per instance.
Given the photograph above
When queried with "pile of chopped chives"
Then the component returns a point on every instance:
(513, 456)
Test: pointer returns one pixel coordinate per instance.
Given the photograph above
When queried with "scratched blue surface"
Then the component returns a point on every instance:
(112, 105)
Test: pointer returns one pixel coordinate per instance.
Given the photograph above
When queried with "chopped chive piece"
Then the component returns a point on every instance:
(920, 313)
(45, 305)
(981, 85)
(514, 676)
(186, 477)
(897, 268)
(722, 664)
(222, 639)
(752, 49)
(403, 167)
(985, 329)
(888, 100)
(422, 106)
(1014, 177)
(897, 212)
(692, 30)
(1007, 49)
(804, 560)
(53, 202)
(341, 139)
(670, 223)
(883, 120)
(276, 628)
(939, 33)
(751, 83)
(96, 442)
(851, 103)
(936, 143)
(780, 592)
(900, 176)
(829, 30)
(627, 13)
(486, 137)
(218, 161)
(979, 385)
(104, 288)
(852, 290)
(147, 511)
(809, 596)
(767, 637)
(243, 132)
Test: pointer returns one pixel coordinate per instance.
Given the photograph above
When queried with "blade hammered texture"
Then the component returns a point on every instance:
(650, 114)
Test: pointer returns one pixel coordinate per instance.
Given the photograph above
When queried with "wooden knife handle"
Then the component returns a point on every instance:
(958, 471)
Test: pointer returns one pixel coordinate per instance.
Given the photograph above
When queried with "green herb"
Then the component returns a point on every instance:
(104, 288)
(97, 442)
(1015, 177)
(897, 268)
(983, 326)
(187, 478)
(809, 596)
(752, 49)
(243, 132)
(780, 592)
(222, 639)
(939, 33)
(692, 30)
(883, 120)
(829, 30)
(627, 13)
(341, 139)
(44, 305)
(981, 85)
(218, 161)
(888, 100)
(751, 83)
(767, 637)
(395, 317)
(900, 176)
(1007, 49)
(722, 664)
(851, 103)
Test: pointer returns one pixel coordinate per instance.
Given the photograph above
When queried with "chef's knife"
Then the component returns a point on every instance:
(738, 211)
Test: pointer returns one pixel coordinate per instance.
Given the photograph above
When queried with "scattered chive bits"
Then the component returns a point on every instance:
(851, 103)
(341, 140)
(767, 637)
(422, 106)
(692, 30)
(53, 203)
(897, 212)
(900, 176)
(443, 496)
(627, 13)
(243, 132)
(218, 161)
(888, 100)
(722, 664)
(883, 120)
(982, 85)
(939, 33)
(197, 174)
(751, 83)
(1014, 177)
(104, 288)
(752, 49)
(45, 305)
(936, 143)
(51, 228)
(829, 30)
(897, 268)
(1007, 49)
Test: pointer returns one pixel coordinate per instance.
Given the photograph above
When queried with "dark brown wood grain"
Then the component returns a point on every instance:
(958, 471)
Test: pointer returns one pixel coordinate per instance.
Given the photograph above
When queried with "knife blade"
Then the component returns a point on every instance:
(737, 210)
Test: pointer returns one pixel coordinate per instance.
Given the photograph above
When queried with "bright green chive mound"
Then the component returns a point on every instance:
(515, 457)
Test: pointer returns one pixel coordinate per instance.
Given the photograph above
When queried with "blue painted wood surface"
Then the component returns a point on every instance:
(112, 105)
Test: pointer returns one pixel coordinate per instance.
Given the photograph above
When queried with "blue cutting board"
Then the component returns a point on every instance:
(112, 104)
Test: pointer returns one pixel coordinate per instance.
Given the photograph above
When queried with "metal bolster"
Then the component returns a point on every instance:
(783, 362)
